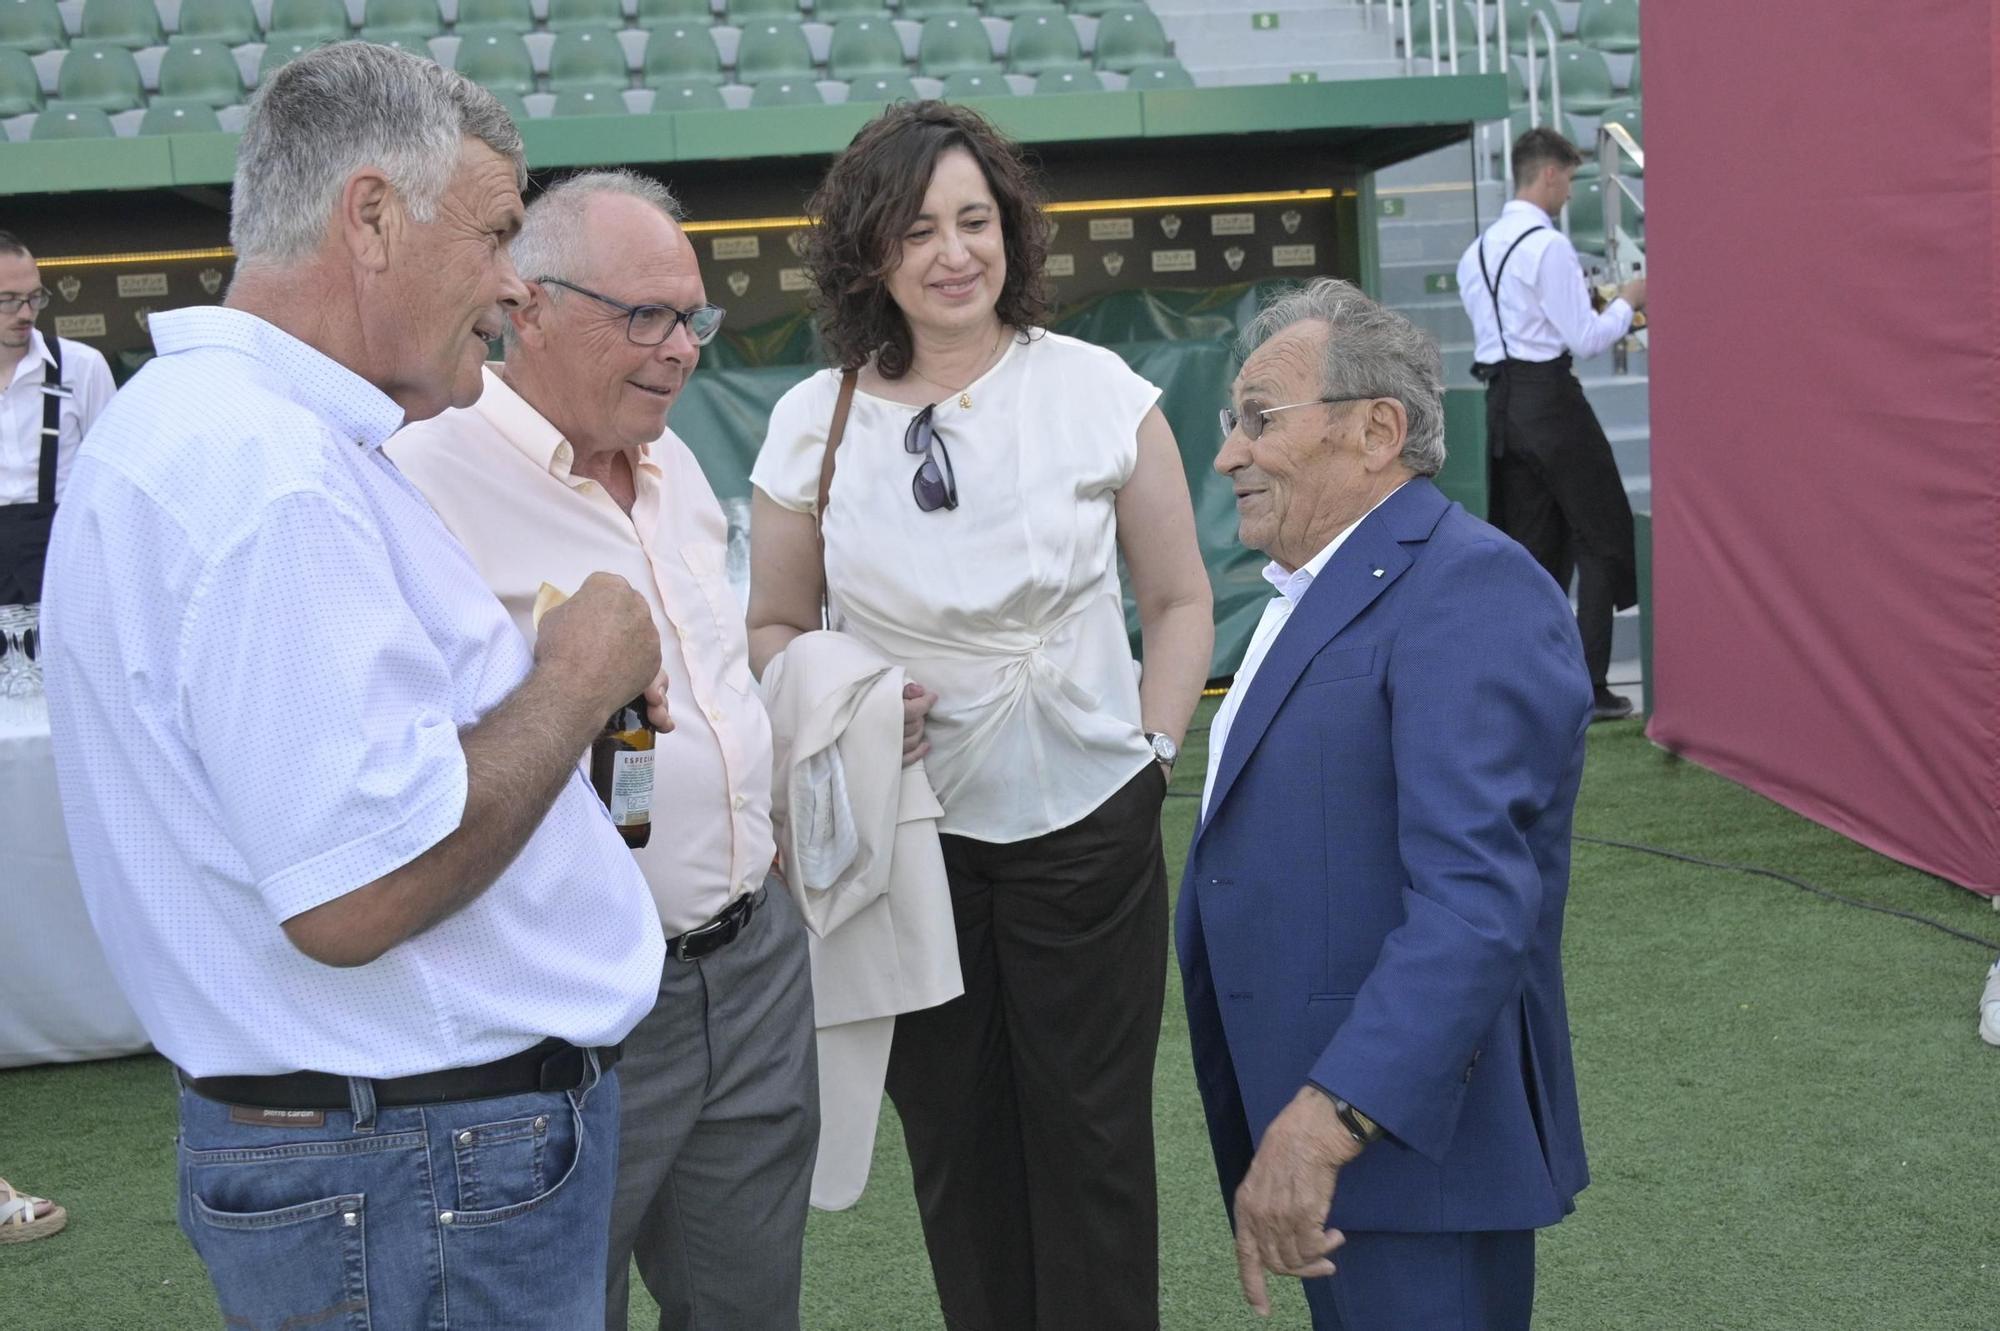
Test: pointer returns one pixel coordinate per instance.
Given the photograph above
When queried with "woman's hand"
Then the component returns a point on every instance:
(917, 702)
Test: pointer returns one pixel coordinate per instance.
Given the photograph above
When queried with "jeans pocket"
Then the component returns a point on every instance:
(511, 1170)
(295, 1266)
(500, 1164)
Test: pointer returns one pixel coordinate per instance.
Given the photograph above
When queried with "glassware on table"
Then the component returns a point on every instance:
(20, 651)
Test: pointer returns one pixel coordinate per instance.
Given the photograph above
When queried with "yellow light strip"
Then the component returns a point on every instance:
(142, 256)
(788, 223)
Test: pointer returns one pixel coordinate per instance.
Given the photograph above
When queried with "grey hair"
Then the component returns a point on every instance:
(1369, 349)
(334, 110)
(551, 243)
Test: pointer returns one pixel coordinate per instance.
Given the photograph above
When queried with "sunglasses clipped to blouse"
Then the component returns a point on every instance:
(935, 485)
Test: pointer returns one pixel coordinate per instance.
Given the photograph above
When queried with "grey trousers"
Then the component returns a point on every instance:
(719, 1128)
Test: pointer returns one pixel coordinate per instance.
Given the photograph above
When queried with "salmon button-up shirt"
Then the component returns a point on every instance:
(499, 474)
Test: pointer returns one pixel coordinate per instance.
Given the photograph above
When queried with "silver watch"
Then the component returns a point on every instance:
(1164, 749)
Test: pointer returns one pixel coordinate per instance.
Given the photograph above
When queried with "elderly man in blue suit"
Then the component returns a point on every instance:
(1370, 931)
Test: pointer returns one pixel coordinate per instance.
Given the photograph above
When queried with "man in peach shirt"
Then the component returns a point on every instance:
(565, 467)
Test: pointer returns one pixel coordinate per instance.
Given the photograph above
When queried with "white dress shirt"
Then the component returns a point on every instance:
(1543, 299)
(262, 647)
(88, 379)
(1009, 607)
(499, 475)
(1292, 586)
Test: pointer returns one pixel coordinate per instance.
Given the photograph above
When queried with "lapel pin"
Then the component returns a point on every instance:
(1378, 572)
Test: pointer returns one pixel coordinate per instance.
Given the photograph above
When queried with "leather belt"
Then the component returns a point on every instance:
(552, 1065)
(719, 932)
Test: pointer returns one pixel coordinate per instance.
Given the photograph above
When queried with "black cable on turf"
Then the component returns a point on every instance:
(1800, 883)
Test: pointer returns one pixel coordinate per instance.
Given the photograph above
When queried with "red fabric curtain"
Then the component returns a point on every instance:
(1822, 232)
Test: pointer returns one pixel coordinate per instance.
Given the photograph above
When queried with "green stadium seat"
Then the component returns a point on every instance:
(800, 91)
(653, 13)
(577, 15)
(200, 69)
(1586, 79)
(1520, 22)
(323, 20)
(586, 58)
(1158, 76)
(1068, 78)
(604, 99)
(1626, 112)
(950, 44)
(1014, 8)
(682, 54)
(919, 10)
(740, 10)
(497, 60)
(1096, 8)
(832, 11)
(20, 86)
(863, 46)
(60, 121)
(1130, 35)
(33, 26)
(516, 108)
(1632, 79)
(165, 116)
(401, 16)
(882, 88)
(977, 83)
(1517, 85)
(414, 40)
(1420, 30)
(231, 22)
(1609, 25)
(485, 14)
(773, 49)
(100, 74)
(1041, 40)
(687, 95)
(133, 24)
(281, 52)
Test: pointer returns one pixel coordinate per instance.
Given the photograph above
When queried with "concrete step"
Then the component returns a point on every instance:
(1320, 68)
(1402, 241)
(1621, 402)
(1303, 38)
(1442, 201)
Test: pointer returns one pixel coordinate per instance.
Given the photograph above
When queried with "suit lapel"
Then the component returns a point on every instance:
(1366, 564)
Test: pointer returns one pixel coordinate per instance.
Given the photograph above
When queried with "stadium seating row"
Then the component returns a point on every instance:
(1602, 25)
(35, 26)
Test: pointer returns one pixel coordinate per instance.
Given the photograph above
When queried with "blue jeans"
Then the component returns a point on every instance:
(477, 1215)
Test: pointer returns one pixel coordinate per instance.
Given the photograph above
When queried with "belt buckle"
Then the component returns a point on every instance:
(730, 921)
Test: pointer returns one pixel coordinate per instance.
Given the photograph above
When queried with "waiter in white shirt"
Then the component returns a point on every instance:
(53, 390)
(1554, 484)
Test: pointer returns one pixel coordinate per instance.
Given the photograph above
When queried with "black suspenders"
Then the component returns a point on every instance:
(1493, 283)
(45, 486)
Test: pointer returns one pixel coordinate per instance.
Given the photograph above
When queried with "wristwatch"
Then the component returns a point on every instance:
(1164, 749)
(1359, 1126)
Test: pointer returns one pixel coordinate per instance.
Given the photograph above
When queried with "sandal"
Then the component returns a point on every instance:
(19, 1218)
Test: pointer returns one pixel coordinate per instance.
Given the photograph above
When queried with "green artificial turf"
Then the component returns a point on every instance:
(1789, 1116)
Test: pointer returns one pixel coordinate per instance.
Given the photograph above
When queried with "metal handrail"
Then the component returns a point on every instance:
(1614, 141)
(1540, 18)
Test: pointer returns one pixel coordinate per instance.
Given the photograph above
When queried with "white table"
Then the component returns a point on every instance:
(58, 1002)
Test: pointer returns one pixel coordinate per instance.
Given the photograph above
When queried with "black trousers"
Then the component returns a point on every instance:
(1027, 1102)
(1555, 488)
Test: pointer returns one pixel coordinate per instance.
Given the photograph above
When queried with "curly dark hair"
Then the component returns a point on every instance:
(874, 191)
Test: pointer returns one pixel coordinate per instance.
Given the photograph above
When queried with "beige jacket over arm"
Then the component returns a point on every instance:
(881, 932)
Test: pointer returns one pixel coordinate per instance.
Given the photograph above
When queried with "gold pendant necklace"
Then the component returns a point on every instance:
(964, 394)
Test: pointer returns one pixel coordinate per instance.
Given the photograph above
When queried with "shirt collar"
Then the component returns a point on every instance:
(352, 407)
(1522, 208)
(34, 360)
(515, 419)
(1294, 584)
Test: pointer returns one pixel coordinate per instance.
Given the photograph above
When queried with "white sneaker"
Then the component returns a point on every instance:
(1989, 1007)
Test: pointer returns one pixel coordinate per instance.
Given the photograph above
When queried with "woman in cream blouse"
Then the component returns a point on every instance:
(988, 476)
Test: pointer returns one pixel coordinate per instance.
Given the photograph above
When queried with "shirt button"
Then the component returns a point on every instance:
(736, 802)
(714, 716)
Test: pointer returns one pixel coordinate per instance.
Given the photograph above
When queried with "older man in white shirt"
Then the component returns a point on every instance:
(565, 465)
(325, 803)
(1554, 484)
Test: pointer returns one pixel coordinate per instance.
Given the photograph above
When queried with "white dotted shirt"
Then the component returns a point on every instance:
(262, 646)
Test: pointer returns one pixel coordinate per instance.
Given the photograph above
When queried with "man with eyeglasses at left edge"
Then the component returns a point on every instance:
(54, 390)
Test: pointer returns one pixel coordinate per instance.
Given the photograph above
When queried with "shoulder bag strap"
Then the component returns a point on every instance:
(833, 435)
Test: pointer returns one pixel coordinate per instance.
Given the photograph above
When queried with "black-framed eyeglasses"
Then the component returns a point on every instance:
(1252, 422)
(935, 485)
(36, 300)
(650, 325)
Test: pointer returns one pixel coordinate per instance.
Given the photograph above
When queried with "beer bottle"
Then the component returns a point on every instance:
(621, 767)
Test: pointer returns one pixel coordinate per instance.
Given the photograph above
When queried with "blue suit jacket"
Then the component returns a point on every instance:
(1375, 901)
